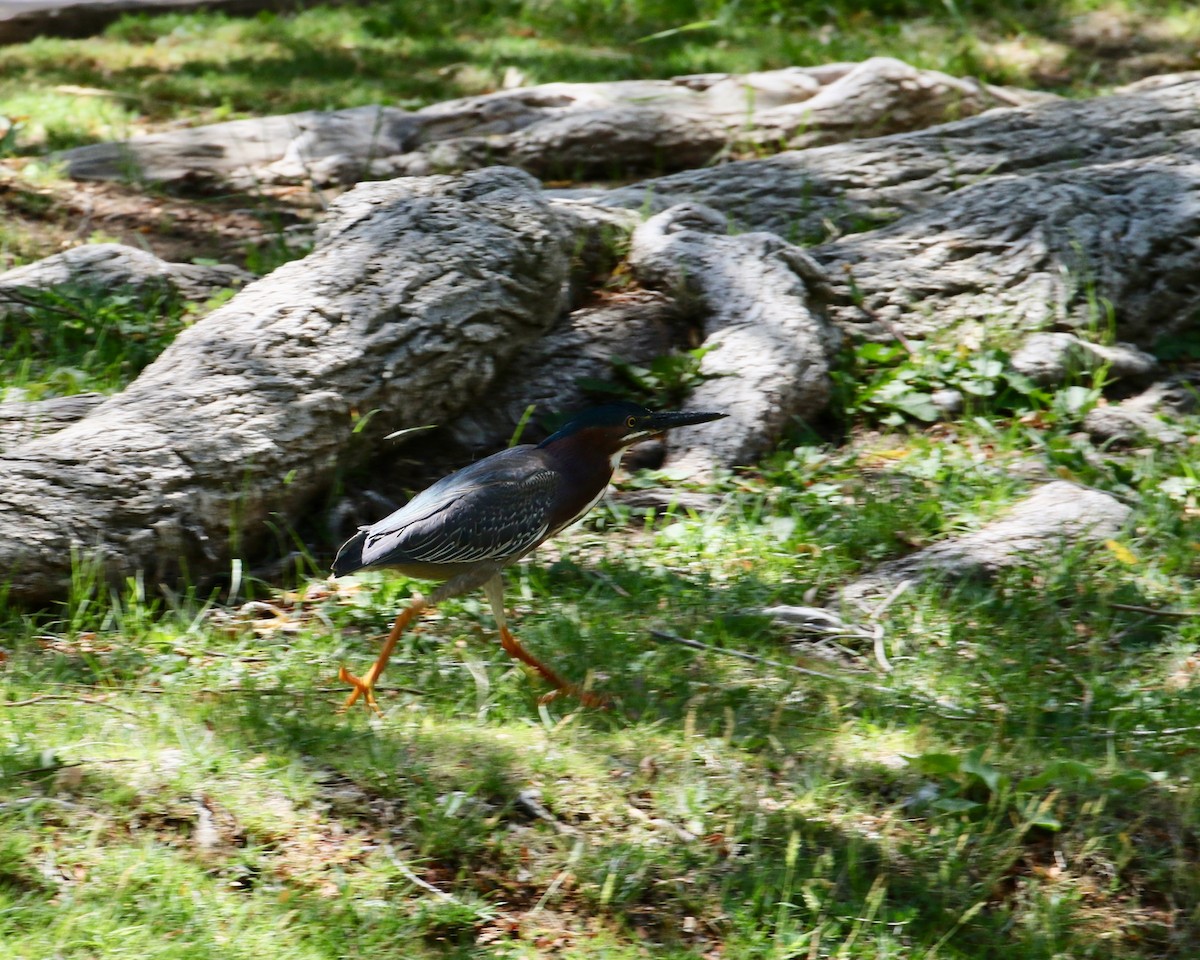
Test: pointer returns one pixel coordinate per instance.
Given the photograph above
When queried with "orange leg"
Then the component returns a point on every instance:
(364, 686)
(561, 686)
(490, 580)
(495, 594)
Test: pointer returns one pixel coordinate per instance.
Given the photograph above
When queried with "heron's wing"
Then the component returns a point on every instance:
(487, 512)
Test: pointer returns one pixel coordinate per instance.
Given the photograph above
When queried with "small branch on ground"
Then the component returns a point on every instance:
(961, 713)
(62, 698)
(1155, 611)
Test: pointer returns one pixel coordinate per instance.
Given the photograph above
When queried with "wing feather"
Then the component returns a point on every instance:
(495, 510)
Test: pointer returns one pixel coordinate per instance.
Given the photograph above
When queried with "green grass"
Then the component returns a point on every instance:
(186, 789)
(74, 339)
(145, 70)
(174, 781)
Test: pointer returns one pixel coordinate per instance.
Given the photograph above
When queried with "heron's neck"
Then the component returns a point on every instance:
(585, 474)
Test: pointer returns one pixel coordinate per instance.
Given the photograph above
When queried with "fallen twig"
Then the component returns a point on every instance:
(1155, 611)
(26, 801)
(530, 801)
(185, 652)
(1110, 732)
(685, 836)
(407, 872)
(609, 582)
(560, 879)
(963, 712)
(256, 691)
(1166, 732)
(880, 653)
(766, 661)
(857, 298)
(900, 588)
(416, 881)
(33, 771)
(63, 698)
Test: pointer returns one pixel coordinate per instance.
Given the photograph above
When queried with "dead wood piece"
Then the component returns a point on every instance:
(1048, 359)
(413, 285)
(1045, 216)
(1036, 530)
(850, 187)
(602, 143)
(1121, 426)
(325, 148)
(547, 375)
(557, 129)
(109, 266)
(1140, 418)
(816, 621)
(635, 327)
(769, 346)
(877, 97)
(100, 267)
(1178, 394)
(661, 499)
(334, 147)
(606, 130)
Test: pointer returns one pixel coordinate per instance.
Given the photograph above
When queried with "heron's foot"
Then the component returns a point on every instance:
(363, 687)
(514, 649)
(594, 701)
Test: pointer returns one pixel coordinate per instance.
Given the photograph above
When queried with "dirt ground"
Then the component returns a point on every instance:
(39, 220)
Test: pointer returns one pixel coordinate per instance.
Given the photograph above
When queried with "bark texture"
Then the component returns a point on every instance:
(769, 347)
(1034, 251)
(102, 268)
(863, 182)
(416, 292)
(1049, 358)
(1044, 215)
(635, 327)
(22, 420)
(426, 295)
(1140, 418)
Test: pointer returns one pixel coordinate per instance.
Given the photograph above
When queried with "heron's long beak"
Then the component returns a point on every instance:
(658, 422)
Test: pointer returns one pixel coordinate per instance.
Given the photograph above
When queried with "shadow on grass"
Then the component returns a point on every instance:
(810, 828)
(778, 873)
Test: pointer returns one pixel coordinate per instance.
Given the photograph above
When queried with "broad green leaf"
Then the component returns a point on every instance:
(973, 764)
(1058, 773)
(935, 764)
(956, 805)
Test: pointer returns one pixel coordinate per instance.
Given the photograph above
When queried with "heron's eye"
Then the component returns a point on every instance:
(631, 422)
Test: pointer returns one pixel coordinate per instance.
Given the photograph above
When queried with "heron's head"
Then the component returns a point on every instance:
(615, 426)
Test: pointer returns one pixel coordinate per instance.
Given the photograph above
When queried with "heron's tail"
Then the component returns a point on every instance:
(349, 557)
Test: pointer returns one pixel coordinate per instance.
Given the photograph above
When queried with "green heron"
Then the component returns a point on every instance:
(466, 528)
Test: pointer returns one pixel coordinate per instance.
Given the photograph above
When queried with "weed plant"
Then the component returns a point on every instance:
(175, 782)
(74, 339)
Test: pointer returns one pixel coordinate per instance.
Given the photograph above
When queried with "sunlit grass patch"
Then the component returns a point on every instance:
(719, 801)
(1019, 781)
(205, 67)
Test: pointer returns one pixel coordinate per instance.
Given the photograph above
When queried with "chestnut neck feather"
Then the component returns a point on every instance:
(585, 462)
